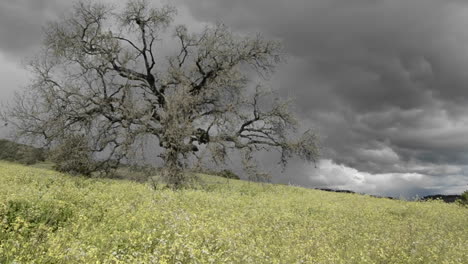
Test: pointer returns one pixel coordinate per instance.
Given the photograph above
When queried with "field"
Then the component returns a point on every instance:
(48, 217)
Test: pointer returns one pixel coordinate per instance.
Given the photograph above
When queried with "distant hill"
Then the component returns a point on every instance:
(348, 191)
(12, 151)
(335, 190)
(445, 198)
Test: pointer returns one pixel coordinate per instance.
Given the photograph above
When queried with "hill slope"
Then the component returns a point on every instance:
(11, 151)
(48, 217)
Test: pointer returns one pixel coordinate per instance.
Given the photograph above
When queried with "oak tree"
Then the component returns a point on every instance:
(102, 73)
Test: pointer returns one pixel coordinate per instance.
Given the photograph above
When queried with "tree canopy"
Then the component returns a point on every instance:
(101, 73)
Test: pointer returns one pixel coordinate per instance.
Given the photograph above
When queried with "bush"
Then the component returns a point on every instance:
(8, 152)
(73, 156)
(30, 156)
(464, 198)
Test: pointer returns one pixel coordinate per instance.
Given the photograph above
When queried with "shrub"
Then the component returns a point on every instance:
(31, 156)
(8, 152)
(464, 198)
(73, 156)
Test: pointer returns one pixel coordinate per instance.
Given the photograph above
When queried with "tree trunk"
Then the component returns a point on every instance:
(173, 172)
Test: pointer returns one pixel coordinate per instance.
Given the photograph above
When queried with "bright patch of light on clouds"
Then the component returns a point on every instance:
(338, 176)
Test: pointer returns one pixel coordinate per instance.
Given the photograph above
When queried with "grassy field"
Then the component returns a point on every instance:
(48, 217)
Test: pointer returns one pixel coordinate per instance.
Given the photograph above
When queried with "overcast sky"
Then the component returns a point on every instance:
(383, 82)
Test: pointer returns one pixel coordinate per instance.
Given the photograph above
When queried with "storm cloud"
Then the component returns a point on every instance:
(21, 34)
(21, 23)
(382, 82)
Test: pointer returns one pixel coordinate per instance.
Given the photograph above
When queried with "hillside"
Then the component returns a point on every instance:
(48, 217)
(12, 151)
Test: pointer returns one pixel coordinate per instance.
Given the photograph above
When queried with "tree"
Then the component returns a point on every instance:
(100, 74)
(464, 198)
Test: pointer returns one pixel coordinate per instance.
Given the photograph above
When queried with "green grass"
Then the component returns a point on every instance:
(48, 217)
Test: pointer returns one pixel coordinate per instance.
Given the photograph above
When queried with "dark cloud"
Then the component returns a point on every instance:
(383, 82)
(21, 34)
(21, 23)
(388, 51)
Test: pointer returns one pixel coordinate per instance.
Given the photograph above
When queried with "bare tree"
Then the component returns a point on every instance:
(100, 74)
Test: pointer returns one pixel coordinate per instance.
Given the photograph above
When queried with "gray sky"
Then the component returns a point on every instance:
(382, 82)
